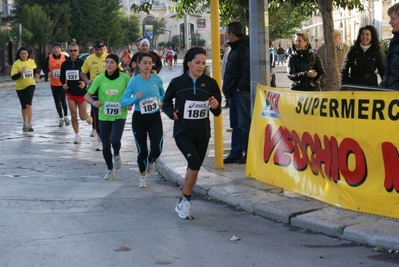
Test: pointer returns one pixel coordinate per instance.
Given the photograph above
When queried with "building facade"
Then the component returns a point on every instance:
(197, 24)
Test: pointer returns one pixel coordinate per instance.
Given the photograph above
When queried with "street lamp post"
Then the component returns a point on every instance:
(20, 35)
(128, 10)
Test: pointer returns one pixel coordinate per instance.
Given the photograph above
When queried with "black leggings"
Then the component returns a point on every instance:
(26, 95)
(94, 114)
(111, 134)
(141, 125)
(193, 149)
(59, 100)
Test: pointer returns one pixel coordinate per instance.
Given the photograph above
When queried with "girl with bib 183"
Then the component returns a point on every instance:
(145, 91)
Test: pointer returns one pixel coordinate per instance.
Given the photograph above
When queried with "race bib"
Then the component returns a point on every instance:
(56, 73)
(112, 108)
(27, 74)
(195, 110)
(72, 75)
(149, 105)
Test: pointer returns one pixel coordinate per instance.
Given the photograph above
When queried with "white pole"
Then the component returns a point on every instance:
(128, 10)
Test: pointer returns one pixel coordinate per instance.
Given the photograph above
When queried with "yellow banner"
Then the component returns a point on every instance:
(338, 147)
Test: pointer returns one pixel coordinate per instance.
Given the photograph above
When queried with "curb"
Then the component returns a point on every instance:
(300, 212)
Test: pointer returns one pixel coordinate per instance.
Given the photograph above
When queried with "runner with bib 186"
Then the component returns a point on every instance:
(187, 101)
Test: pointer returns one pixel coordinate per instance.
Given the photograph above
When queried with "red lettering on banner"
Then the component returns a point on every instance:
(308, 143)
(284, 149)
(274, 99)
(299, 157)
(391, 162)
(323, 155)
(358, 175)
(271, 142)
(307, 151)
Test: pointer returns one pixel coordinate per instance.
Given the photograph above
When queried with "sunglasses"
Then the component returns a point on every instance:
(73, 50)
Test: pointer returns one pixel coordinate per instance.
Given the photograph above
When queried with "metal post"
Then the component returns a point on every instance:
(20, 35)
(186, 32)
(259, 40)
(128, 10)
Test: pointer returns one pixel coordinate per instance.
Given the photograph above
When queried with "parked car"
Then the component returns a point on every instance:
(83, 56)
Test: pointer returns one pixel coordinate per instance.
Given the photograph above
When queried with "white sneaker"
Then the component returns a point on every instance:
(30, 129)
(67, 121)
(184, 209)
(93, 133)
(77, 139)
(89, 121)
(110, 175)
(151, 168)
(99, 146)
(61, 123)
(25, 127)
(143, 182)
(117, 162)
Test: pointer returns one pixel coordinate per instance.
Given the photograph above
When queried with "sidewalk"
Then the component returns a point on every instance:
(230, 185)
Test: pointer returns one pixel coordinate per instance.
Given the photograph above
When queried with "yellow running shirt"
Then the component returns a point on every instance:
(94, 65)
(26, 79)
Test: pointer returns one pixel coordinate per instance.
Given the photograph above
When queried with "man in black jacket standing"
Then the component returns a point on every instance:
(236, 88)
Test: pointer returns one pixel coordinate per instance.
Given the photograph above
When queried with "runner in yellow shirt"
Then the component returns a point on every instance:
(93, 66)
(23, 72)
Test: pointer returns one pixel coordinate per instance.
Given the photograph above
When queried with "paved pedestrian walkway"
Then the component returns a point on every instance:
(233, 187)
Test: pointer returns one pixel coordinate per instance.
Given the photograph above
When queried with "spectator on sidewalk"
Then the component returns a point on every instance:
(288, 52)
(236, 88)
(272, 69)
(391, 75)
(340, 50)
(304, 67)
(280, 55)
(226, 51)
(363, 59)
(23, 72)
(187, 101)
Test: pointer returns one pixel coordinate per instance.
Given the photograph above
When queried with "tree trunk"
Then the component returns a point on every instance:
(332, 78)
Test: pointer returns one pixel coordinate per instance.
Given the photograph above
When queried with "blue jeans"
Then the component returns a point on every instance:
(240, 122)
(280, 58)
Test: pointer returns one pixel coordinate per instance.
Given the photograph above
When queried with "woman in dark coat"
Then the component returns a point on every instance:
(363, 59)
(304, 67)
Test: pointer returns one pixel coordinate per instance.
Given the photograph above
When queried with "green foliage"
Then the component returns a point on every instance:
(284, 21)
(130, 30)
(176, 39)
(36, 26)
(145, 7)
(82, 20)
(26, 35)
(4, 37)
(196, 40)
